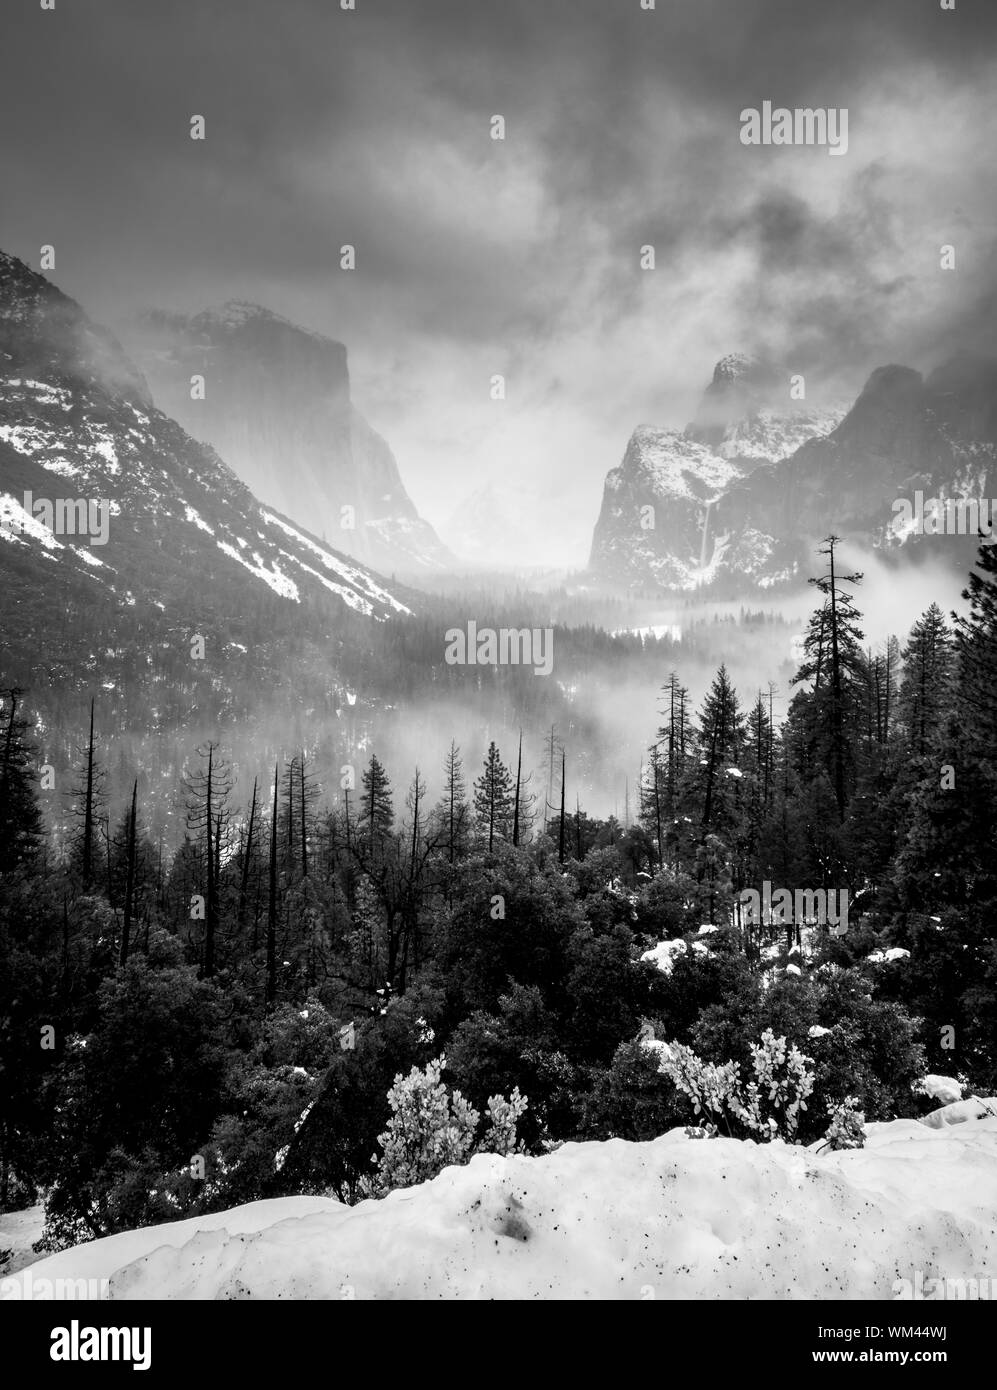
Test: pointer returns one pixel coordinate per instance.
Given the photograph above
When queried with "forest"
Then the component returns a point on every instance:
(325, 991)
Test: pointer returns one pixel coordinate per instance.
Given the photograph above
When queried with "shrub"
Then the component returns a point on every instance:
(432, 1128)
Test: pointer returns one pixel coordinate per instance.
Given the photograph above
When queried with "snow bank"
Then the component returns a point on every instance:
(958, 1112)
(673, 1218)
(18, 1232)
(943, 1088)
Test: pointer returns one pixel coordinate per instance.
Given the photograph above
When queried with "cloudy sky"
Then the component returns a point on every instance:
(521, 256)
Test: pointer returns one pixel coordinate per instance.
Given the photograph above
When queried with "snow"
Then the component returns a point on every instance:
(62, 467)
(279, 582)
(959, 1112)
(943, 1088)
(666, 953)
(105, 447)
(358, 578)
(88, 556)
(16, 524)
(676, 1217)
(18, 1232)
(194, 516)
(894, 953)
(669, 459)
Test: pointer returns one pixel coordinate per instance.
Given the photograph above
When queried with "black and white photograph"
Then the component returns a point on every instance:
(498, 667)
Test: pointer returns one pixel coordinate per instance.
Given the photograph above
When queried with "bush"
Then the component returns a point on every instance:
(431, 1129)
(766, 1107)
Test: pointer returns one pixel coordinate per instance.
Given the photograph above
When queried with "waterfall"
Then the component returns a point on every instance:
(706, 532)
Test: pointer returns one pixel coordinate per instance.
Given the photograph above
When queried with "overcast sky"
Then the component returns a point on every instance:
(518, 257)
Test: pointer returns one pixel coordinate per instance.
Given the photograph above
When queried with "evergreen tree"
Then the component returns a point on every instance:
(377, 815)
(208, 821)
(494, 798)
(88, 809)
(21, 826)
(834, 665)
(452, 812)
(721, 731)
(926, 688)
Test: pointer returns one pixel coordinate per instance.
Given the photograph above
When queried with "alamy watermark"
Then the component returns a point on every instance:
(70, 516)
(982, 1287)
(944, 516)
(28, 1288)
(826, 907)
(509, 646)
(800, 126)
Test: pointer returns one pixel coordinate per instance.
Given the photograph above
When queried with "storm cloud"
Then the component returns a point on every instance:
(521, 256)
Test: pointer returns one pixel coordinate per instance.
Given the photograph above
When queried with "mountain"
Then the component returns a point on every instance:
(176, 546)
(657, 527)
(740, 499)
(277, 406)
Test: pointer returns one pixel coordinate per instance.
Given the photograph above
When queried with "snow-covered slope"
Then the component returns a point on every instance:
(744, 494)
(79, 416)
(277, 407)
(673, 1218)
(657, 526)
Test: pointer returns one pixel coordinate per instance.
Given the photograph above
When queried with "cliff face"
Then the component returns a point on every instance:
(165, 528)
(277, 407)
(744, 494)
(658, 523)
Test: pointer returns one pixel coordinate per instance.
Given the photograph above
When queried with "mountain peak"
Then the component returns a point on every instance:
(736, 366)
(241, 313)
(44, 333)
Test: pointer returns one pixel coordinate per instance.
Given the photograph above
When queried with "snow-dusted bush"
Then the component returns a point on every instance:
(432, 1128)
(768, 1106)
(500, 1137)
(847, 1127)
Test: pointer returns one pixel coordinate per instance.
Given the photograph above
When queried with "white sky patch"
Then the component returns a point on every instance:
(280, 583)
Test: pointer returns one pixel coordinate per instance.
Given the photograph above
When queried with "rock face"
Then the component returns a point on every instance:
(658, 524)
(184, 537)
(740, 499)
(277, 407)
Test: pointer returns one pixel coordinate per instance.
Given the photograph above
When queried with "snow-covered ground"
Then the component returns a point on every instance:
(673, 1218)
(18, 1232)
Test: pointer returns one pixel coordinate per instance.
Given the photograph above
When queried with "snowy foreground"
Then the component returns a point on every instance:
(674, 1218)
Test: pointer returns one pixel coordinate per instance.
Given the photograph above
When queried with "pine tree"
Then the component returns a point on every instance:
(131, 853)
(208, 820)
(452, 812)
(834, 664)
(88, 810)
(926, 688)
(672, 737)
(21, 824)
(721, 730)
(377, 815)
(270, 996)
(493, 799)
